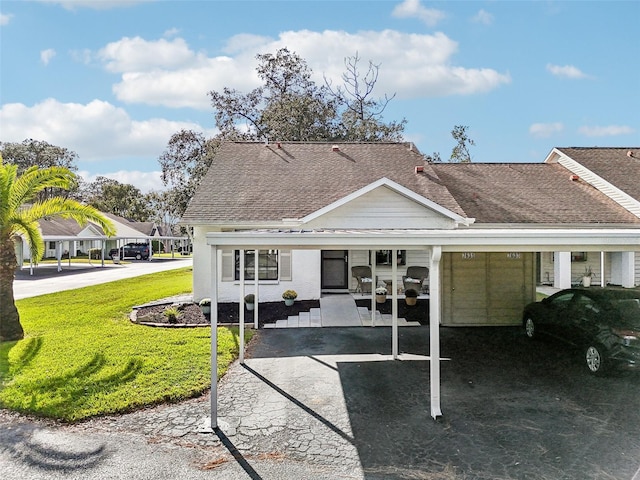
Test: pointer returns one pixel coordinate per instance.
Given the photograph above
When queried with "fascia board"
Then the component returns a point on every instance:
(532, 240)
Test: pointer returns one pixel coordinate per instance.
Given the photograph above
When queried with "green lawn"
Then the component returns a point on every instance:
(82, 357)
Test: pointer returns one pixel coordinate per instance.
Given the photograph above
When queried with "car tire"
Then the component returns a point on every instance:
(138, 256)
(595, 361)
(530, 327)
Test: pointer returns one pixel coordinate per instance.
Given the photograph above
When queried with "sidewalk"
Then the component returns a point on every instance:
(47, 279)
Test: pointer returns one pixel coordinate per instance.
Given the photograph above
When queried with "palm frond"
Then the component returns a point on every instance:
(68, 208)
(34, 180)
(30, 231)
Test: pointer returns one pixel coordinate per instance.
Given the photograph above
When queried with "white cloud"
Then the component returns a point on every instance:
(96, 131)
(608, 131)
(483, 17)
(412, 65)
(413, 8)
(566, 71)
(145, 181)
(172, 32)
(47, 55)
(139, 55)
(5, 19)
(545, 130)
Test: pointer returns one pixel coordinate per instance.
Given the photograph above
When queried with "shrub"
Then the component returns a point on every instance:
(205, 302)
(172, 314)
(250, 298)
(381, 291)
(290, 295)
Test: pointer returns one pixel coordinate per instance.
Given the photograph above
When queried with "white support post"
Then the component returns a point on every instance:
(623, 269)
(59, 255)
(434, 329)
(394, 303)
(214, 337)
(374, 285)
(562, 269)
(256, 276)
(603, 258)
(241, 334)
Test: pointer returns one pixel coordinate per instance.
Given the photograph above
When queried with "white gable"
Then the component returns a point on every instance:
(384, 205)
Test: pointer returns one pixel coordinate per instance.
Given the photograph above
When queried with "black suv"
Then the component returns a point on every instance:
(139, 251)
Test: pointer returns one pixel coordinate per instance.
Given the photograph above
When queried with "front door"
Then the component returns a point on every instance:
(334, 269)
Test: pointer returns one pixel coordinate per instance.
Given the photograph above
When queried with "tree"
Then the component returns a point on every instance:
(19, 218)
(289, 106)
(460, 153)
(361, 117)
(185, 161)
(121, 199)
(37, 153)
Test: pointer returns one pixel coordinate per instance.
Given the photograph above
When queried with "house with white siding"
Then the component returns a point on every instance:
(315, 210)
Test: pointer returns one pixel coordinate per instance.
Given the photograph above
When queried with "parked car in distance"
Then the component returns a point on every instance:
(139, 251)
(604, 322)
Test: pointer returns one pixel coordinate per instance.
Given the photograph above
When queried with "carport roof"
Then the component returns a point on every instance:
(460, 239)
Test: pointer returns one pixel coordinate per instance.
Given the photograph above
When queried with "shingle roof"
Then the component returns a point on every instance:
(59, 227)
(612, 164)
(251, 182)
(528, 193)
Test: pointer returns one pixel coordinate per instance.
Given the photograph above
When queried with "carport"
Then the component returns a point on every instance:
(435, 241)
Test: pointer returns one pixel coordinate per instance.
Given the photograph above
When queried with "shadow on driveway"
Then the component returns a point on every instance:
(512, 408)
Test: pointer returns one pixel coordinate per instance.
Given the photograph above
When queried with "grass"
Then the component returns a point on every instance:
(82, 357)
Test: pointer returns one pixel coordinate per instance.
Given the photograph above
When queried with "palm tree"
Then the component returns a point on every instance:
(18, 217)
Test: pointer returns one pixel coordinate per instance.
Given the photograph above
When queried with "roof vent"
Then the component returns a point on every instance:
(335, 148)
(419, 169)
(574, 178)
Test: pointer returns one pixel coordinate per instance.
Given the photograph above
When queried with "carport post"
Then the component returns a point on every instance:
(434, 329)
(394, 303)
(256, 278)
(374, 285)
(241, 304)
(214, 336)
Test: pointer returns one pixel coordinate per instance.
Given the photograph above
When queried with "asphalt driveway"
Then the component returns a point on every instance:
(328, 404)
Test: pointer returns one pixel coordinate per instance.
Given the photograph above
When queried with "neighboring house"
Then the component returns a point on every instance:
(315, 210)
(64, 238)
(616, 173)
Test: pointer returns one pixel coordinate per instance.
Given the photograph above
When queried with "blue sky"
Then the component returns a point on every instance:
(113, 80)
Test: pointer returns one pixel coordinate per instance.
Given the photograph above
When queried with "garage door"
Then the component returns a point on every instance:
(486, 288)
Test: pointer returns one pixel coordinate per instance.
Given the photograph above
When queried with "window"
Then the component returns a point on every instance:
(383, 257)
(267, 265)
(52, 245)
(578, 256)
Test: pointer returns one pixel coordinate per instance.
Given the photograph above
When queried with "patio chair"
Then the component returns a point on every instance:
(415, 278)
(363, 275)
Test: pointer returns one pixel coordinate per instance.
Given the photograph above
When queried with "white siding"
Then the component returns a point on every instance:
(382, 208)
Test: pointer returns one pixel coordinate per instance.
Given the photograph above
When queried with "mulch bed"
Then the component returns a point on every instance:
(417, 313)
(228, 313)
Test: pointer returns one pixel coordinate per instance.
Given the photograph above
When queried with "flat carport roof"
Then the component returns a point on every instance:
(516, 239)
